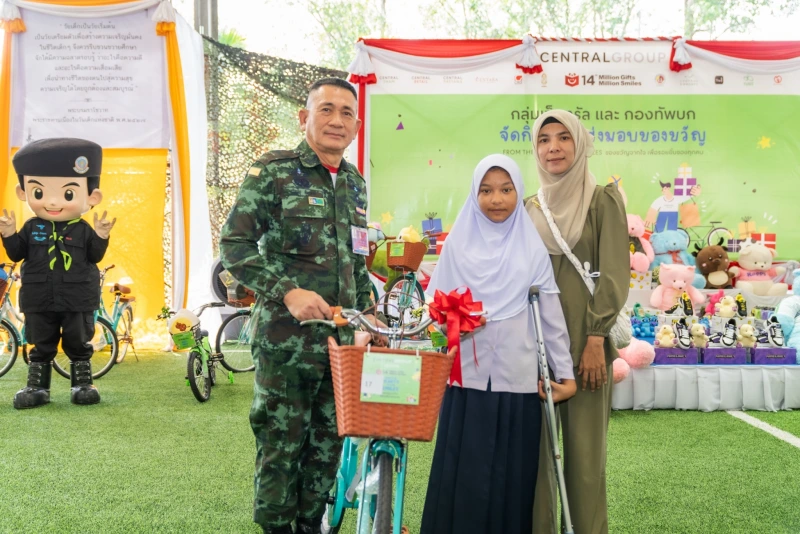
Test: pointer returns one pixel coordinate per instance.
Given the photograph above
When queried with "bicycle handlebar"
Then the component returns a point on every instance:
(166, 314)
(347, 317)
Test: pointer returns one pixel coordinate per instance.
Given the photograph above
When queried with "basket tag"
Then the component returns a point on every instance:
(438, 339)
(391, 378)
(397, 249)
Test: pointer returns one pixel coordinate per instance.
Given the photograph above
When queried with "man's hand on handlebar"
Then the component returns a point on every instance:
(379, 341)
(305, 305)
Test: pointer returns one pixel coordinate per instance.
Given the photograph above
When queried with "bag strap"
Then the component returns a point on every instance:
(583, 270)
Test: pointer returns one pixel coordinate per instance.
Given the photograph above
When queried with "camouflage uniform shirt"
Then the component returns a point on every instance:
(291, 228)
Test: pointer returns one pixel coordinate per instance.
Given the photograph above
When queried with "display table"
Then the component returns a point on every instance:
(709, 387)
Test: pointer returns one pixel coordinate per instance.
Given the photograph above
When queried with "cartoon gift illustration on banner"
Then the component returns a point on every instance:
(666, 209)
(59, 179)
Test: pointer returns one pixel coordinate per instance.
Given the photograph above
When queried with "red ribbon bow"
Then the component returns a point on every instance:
(454, 309)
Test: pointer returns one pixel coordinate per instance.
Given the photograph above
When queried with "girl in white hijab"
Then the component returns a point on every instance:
(485, 462)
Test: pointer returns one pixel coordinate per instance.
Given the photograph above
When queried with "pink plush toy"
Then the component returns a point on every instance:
(674, 280)
(641, 251)
(712, 302)
(621, 370)
(638, 354)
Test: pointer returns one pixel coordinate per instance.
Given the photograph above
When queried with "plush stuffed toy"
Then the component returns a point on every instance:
(638, 354)
(788, 314)
(746, 336)
(755, 272)
(712, 302)
(726, 307)
(673, 281)
(713, 263)
(621, 370)
(665, 338)
(641, 251)
(699, 337)
(669, 247)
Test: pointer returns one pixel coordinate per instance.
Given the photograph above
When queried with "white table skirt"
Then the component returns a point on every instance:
(710, 387)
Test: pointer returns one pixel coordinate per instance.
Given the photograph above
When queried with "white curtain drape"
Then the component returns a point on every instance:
(524, 53)
(684, 52)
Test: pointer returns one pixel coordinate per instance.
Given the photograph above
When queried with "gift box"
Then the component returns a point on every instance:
(432, 226)
(762, 238)
(774, 356)
(431, 245)
(746, 228)
(734, 245)
(676, 356)
(683, 186)
(641, 280)
(725, 356)
(440, 242)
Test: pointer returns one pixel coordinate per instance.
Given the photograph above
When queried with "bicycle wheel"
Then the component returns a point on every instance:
(383, 509)
(325, 527)
(125, 331)
(233, 342)
(718, 233)
(105, 346)
(415, 298)
(200, 384)
(9, 346)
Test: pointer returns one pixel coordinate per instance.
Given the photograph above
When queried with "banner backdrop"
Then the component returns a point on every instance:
(712, 150)
(104, 77)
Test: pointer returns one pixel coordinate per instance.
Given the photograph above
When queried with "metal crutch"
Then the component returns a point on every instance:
(533, 298)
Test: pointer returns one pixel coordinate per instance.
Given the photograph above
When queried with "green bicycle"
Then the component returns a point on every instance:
(201, 365)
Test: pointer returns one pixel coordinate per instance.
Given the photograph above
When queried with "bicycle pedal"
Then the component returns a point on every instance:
(230, 377)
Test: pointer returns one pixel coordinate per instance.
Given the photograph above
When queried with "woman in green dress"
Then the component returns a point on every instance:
(591, 220)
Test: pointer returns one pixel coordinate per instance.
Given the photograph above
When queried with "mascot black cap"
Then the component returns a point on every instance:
(60, 157)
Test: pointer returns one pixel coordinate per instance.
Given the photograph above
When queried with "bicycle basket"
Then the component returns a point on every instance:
(183, 340)
(402, 256)
(369, 419)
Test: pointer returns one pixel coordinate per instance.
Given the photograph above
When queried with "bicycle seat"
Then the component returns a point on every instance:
(121, 289)
(203, 333)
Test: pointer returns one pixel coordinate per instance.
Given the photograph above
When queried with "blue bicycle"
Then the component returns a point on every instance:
(369, 489)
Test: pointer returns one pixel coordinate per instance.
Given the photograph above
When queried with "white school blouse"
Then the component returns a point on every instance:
(506, 350)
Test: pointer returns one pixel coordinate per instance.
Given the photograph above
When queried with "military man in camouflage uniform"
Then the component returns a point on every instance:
(306, 204)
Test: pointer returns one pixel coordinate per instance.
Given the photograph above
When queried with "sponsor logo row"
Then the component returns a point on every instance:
(686, 78)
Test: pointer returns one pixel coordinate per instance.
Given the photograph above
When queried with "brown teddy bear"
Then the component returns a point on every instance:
(713, 263)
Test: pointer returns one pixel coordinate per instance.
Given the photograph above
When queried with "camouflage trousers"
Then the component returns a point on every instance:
(297, 446)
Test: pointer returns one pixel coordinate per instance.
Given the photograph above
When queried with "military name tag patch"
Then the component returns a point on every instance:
(254, 171)
(360, 240)
(361, 211)
(316, 201)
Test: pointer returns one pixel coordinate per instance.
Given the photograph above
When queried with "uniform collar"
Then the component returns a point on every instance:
(309, 158)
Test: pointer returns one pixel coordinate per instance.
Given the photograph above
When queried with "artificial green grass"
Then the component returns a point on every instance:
(150, 458)
(786, 421)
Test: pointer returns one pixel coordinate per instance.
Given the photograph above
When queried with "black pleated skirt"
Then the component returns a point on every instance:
(485, 464)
